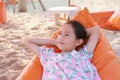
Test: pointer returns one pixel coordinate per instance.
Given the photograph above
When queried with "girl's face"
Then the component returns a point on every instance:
(66, 41)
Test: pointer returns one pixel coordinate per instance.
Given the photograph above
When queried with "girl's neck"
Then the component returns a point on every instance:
(68, 51)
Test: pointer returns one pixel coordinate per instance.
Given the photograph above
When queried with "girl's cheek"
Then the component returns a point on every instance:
(58, 39)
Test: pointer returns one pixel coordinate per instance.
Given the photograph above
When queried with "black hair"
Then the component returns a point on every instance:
(79, 29)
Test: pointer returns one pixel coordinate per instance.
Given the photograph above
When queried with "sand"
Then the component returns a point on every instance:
(14, 56)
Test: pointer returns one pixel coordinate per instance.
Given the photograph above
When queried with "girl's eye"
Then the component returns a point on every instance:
(66, 34)
(60, 33)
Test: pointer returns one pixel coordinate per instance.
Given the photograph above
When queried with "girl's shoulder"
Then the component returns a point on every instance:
(46, 52)
(84, 49)
(84, 52)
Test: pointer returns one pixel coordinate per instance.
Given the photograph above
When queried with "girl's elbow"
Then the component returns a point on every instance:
(26, 42)
(98, 27)
(97, 30)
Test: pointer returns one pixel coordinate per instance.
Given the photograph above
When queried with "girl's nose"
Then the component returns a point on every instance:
(61, 38)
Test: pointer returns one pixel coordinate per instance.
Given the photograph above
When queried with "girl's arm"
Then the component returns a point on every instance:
(93, 33)
(33, 44)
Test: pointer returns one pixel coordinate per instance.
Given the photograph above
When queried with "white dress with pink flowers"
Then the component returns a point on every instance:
(74, 65)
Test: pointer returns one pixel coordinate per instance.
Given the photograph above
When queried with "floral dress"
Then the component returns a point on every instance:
(74, 65)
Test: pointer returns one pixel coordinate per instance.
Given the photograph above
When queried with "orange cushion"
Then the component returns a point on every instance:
(104, 58)
(114, 21)
(2, 12)
(85, 18)
(33, 70)
(102, 17)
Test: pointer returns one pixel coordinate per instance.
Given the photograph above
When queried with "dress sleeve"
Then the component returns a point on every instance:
(84, 51)
(45, 54)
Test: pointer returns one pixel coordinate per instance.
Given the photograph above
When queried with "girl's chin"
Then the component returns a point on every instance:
(61, 48)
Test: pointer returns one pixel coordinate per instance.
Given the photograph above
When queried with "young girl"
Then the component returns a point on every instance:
(71, 64)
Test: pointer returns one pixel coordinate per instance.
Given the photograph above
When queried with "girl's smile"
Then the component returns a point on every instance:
(61, 43)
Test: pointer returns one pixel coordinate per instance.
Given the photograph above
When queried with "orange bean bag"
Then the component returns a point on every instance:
(2, 12)
(102, 17)
(104, 58)
(114, 21)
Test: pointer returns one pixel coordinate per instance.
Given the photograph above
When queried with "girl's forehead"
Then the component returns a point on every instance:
(66, 27)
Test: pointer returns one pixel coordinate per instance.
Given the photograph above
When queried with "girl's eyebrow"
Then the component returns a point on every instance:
(65, 31)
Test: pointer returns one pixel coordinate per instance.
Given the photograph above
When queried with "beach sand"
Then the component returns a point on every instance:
(14, 56)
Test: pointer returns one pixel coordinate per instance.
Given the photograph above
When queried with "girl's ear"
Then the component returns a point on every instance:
(79, 42)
